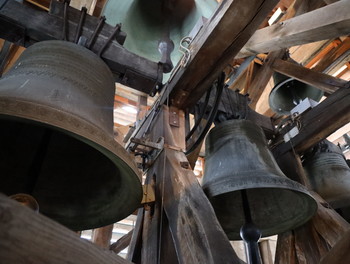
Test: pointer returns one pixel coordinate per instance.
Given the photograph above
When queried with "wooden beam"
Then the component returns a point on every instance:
(130, 69)
(332, 56)
(263, 76)
(227, 31)
(340, 253)
(319, 122)
(122, 243)
(324, 82)
(102, 236)
(328, 22)
(196, 232)
(26, 236)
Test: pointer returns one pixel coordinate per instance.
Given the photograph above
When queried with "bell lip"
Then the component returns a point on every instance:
(84, 131)
(279, 183)
(274, 90)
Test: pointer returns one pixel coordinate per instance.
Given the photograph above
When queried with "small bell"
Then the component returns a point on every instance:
(289, 92)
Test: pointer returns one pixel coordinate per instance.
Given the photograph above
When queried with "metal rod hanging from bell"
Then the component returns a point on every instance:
(250, 233)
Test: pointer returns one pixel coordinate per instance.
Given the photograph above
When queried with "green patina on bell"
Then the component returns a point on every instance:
(148, 22)
(56, 137)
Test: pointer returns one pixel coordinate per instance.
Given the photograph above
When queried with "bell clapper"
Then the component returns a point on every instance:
(250, 233)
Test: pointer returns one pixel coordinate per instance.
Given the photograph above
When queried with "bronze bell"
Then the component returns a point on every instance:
(288, 92)
(329, 174)
(156, 25)
(56, 137)
(238, 159)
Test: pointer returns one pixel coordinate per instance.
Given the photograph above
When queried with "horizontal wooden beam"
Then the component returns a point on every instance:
(327, 22)
(213, 49)
(26, 236)
(319, 122)
(324, 82)
(26, 25)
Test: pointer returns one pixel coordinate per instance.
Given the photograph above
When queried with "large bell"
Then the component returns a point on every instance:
(237, 158)
(289, 92)
(329, 174)
(147, 23)
(56, 137)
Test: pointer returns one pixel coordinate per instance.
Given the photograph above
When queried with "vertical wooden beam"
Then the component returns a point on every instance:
(134, 252)
(102, 236)
(265, 251)
(195, 231)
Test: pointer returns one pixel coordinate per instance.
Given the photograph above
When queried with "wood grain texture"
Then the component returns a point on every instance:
(27, 237)
(216, 46)
(324, 82)
(197, 234)
(324, 23)
(122, 242)
(319, 122)
(340, 253)
(102, 236)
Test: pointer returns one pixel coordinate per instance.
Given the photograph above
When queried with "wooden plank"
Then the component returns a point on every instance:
(328, 223)
(265, 251)
(26, 236)
(340, 253)
(122, 243)
(130, 69)
(285, 251)
(319, 122)
(197, 234)
(134, 251)
(324, 82)
(327, 22)
(102, 236)
(219, 37)
(333, 55)
(151, 222)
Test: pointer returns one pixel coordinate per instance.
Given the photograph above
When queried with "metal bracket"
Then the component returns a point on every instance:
(148, 194)
(149, 151)
(174, 117)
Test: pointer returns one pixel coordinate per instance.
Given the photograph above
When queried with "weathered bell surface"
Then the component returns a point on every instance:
(56, 137)
(237, 158)
(289, 92)
(147, 23)
(329, 174)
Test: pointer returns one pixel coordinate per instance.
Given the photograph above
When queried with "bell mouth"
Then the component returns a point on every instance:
(292, 206)
(79, 175)
(288, 93)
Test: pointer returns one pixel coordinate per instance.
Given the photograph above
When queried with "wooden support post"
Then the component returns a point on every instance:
(265, 251)
(122, 242)
(102, 236)
(219, 37)
(134, 252)
(195, 231)
(26, 236)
